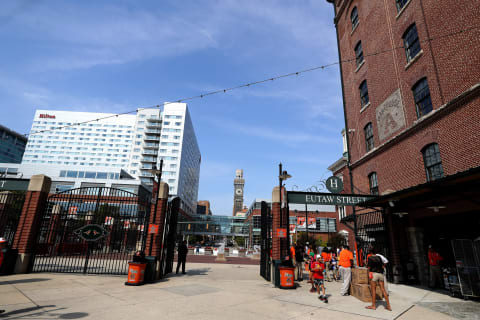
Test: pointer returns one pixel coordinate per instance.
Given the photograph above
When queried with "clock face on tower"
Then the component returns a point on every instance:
(238, 191)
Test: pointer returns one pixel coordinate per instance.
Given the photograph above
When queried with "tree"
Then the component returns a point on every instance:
(336, 240)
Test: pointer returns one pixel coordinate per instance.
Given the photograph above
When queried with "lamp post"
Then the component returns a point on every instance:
(158, 174)
(282, 176)
(306, 223)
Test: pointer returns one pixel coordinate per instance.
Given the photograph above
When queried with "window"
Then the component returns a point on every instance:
(359, 53)
(72, 174)
(400, 4)
(421, 94)
(373, 182)
(354, 17)
(411, 42)
(341, 212)
(364, 93)
(368, 136)
(433, 162)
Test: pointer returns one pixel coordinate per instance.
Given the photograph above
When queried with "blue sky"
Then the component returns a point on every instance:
(115, 56)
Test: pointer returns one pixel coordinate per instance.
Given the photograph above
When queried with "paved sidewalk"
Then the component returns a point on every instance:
(207, 291)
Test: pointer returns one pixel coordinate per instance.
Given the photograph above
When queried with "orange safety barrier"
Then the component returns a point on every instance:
(136, 273)
(287, 277)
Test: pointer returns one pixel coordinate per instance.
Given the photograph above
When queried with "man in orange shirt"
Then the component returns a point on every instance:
(434, 259)
(345, 261)
(292, 258)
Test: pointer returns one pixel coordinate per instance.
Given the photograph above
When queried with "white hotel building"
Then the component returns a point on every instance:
(116, 151)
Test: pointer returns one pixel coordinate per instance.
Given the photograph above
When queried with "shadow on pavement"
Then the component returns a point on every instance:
(192, 272)
(73, 315)
(23, 281)
(25, 310)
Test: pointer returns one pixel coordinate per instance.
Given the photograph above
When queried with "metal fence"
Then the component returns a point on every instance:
(266, 231)
(11, 204)
(92, 230)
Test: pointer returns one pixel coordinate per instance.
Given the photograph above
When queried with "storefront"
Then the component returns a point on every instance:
(444, 214)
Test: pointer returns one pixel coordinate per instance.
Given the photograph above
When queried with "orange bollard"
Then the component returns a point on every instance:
(136, 273)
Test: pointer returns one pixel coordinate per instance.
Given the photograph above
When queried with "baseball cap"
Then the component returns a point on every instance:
(2, 240)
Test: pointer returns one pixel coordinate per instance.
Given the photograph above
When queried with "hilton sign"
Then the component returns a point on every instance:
(47, 116)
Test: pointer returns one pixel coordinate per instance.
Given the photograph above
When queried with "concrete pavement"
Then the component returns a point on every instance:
(207, 291)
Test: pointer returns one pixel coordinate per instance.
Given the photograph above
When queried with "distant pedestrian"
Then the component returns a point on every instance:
(3, 245)
(327, 258)
(345, 261)
(318, 268)
(434, 259)
(375, 273)
(299, 253)
(197, 248)
(182, 256)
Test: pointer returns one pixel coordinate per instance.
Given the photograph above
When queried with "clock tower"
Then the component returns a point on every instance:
(238, 184)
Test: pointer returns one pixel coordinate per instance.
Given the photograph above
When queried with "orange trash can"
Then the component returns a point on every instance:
(287, 277)
(136, 273)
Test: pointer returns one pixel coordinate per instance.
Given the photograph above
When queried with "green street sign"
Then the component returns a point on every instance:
(336, 199)
(14, 185)
(91, 232)
(334, 184)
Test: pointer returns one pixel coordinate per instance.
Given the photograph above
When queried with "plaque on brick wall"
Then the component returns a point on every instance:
(390, 116)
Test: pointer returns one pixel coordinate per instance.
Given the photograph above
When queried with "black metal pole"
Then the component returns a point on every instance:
(306, 222)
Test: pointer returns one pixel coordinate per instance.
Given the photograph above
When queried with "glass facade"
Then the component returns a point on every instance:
(214, 226)
(12, 146)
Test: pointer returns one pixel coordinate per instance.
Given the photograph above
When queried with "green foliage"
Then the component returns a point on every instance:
(336, 240)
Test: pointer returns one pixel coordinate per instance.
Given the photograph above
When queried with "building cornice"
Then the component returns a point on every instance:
(337, 165)
(470, 94)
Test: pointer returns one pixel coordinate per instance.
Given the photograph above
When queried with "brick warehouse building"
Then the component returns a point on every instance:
(410, 75)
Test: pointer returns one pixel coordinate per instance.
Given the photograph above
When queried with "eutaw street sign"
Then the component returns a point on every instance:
(335, 199)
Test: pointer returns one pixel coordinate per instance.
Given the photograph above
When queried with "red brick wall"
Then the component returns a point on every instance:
(451, 65)
(29, 222)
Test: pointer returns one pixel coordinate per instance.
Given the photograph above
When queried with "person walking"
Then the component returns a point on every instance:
(345, 261)
(182, 256)
(375, 272)
(434, 259)
(317, 274)
(3, 245)
(299, 253)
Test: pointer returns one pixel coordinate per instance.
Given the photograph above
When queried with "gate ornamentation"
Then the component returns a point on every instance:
(120, 216)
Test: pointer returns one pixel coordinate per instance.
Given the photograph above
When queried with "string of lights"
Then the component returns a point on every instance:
(250, 84)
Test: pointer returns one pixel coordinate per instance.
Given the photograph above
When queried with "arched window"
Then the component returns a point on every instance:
(432, 162)
(411, 42)
(368, 130)
(373, 182)
(421, 94)
(359, 53)
(354, 17)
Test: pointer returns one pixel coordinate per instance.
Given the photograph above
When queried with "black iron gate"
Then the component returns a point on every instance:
(91, 230)
(169, 237)
(11, 204)
(371, 232)
(266, 233)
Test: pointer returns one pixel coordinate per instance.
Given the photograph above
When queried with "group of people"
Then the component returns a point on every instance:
(330, 265)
